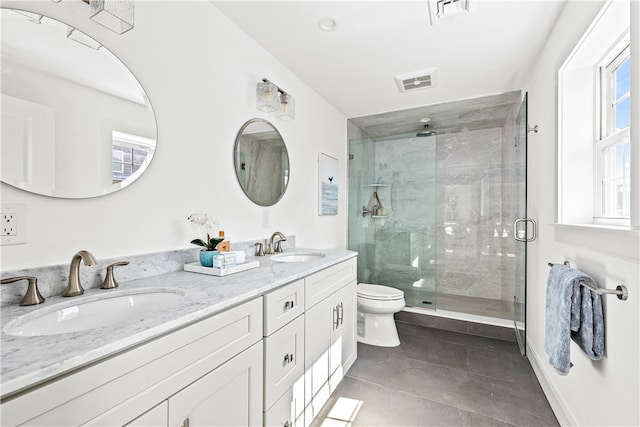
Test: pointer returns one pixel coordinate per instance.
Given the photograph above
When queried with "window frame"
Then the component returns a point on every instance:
(608, 135)
(133, 142)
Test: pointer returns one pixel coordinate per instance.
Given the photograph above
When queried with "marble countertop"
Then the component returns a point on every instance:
(28, 361)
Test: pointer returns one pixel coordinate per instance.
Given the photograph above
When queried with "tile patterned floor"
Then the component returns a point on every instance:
(439, 378)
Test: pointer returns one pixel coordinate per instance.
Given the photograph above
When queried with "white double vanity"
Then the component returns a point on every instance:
(263, 347)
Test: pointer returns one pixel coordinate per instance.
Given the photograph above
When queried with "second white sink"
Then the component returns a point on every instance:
(298, 257)
(93, 312)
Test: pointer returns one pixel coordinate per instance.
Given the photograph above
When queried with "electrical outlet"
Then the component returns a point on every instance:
(9, 224)
(13, 230)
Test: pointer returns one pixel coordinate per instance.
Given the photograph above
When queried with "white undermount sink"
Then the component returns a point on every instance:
(92, 312)
(297, 257)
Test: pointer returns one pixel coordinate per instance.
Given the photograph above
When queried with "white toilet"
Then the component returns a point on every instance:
(376, 305)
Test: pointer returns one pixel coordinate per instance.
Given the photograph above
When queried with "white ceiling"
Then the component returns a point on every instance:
(487, 51)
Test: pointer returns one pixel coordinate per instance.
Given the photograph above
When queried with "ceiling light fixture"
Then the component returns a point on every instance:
(327, 24)
(116, 15)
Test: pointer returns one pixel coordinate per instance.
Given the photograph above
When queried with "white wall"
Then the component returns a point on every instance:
(199, 72)
(604, 392)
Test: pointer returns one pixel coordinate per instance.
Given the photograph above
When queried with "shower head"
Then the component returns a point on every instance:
(426, 132)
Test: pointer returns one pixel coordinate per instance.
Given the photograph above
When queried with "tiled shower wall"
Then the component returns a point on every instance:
(473, 241)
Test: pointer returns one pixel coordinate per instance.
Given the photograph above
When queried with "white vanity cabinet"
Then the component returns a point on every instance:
(330, 329)
(164, 375)
(273, 360)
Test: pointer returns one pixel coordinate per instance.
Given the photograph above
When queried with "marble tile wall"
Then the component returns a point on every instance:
(472, 237)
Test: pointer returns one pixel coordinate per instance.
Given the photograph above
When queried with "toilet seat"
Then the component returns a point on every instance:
(379, 293)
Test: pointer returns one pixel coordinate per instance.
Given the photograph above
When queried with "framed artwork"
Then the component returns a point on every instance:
(327, 185)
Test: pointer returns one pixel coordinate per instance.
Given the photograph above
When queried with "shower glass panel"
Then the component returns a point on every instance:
(392, 214)
(518, 196)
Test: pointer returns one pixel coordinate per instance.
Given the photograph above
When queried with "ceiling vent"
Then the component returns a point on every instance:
(446, 9)
(417, 80)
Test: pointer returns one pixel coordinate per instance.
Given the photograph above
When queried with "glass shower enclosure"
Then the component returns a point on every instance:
(443, 218)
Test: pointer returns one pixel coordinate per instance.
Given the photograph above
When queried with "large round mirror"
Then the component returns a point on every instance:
(262, 162)
(76, 123)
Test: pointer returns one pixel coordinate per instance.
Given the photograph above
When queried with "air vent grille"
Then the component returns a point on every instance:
(417, 80)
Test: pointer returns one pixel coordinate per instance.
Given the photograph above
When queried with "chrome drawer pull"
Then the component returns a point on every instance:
(288, 358)
(288, 305)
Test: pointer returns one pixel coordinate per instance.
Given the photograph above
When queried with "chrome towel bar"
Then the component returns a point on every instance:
(620, 291)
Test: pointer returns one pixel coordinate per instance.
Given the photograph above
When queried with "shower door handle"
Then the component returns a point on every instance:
(525, 236)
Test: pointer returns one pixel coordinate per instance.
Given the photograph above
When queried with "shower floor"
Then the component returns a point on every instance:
(486, 307)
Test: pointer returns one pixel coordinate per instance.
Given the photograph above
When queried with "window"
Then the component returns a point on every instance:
(612, 150)
(594, 144)
(131, 154)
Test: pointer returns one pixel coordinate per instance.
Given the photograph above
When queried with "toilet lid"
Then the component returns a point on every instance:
(378, 292)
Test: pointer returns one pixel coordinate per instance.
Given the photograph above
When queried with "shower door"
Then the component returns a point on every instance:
(523, 227)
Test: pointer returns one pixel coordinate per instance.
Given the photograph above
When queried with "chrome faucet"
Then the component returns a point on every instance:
(74, 288)
(271, 249)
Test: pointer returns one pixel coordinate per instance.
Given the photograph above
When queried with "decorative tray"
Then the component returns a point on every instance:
(196, 267)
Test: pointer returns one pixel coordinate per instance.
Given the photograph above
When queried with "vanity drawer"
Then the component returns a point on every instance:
(283, 361)
(320, 285)
(282, 306)
(286, 412)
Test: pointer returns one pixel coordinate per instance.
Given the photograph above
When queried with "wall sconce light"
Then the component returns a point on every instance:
(80, 37)
(270, 97)
(267, 96)
(287, 110)
(116, 15)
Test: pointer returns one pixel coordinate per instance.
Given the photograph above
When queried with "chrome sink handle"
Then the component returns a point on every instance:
(74, 288)
(32, 296)
(110, 280)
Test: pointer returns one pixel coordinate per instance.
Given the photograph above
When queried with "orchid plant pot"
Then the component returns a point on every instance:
(206, 258)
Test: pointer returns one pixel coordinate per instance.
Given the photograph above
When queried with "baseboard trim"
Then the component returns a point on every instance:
(560, 409)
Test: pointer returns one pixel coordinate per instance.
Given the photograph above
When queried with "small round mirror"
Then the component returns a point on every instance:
(261, 162)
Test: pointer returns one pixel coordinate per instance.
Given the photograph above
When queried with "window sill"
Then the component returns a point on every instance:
(622, 242)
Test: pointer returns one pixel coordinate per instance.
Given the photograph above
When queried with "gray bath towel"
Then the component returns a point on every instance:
(573, 312)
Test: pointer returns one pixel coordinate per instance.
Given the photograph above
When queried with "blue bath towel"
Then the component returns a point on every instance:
(573, 312)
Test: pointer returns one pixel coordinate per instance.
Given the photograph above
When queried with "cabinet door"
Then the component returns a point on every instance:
(343, 333)
(230, 395)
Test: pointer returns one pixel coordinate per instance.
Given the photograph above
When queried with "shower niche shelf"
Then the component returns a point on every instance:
(377, 210)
